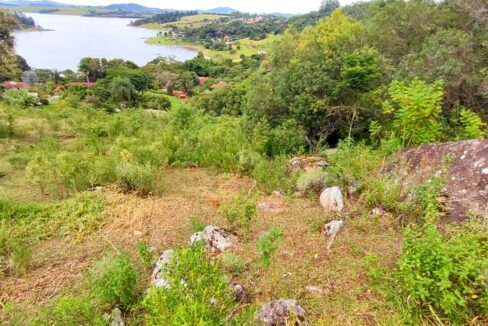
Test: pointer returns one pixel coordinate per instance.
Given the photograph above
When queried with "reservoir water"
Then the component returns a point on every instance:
(72, 38)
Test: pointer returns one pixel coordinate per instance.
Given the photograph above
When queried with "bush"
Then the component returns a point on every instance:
(445, 275)
(135, 177)
(240, 213)
(272, 175)
(232, 264)
(70, 311)
(114, 281)
(198, 294)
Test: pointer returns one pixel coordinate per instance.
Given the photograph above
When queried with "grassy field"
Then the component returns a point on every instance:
(75, 11)
(191, 196)
(247, 47)
(188, 21)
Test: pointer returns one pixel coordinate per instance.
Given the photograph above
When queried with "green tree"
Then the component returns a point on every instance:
(8, 61)
(416, 109)
(122, 91)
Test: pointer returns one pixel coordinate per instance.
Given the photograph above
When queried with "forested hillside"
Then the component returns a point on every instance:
(338, 178)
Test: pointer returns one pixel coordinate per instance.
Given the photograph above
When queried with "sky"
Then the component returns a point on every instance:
(255, 6)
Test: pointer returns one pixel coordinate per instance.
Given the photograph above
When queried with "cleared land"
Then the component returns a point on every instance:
(188, 21)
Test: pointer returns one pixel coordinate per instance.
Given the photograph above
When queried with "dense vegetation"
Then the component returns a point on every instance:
(368, 79)
(166, 17)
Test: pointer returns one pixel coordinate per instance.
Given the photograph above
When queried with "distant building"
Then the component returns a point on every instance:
(181, 95)
(202, 80)
(14, 85)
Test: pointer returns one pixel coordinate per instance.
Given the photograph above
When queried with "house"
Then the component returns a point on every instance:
(181, 95)
(14, 85)
(202, 80)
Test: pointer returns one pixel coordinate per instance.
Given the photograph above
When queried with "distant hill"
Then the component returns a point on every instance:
(134, 7)
(39, 3)
(220, 11)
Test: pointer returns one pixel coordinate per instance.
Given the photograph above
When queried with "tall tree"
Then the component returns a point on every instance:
(8, 60)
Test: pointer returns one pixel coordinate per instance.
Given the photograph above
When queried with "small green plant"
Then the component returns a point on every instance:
(197, 224)
(114, 281)
(272, 175)
(473, 126)
(233, 264)
(268, 244)
(70, 311)
(145, 254)
(240, 213)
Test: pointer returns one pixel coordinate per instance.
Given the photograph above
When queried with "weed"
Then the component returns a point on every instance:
(232, 264)
(145, 254)
(240, 213)
(268, 244)
(197, 224)
(114, 281)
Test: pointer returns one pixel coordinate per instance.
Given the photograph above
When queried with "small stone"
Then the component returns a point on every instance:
(116, 318)
(281, 312)
(331, 230)
(332, 199)
(315, 291)
(485, 171)
(137, 233)
(238, 291)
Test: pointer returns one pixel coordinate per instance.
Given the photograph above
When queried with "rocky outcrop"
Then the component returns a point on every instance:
(464, 165)
(282, 313)
(332, 200)
(215, 239)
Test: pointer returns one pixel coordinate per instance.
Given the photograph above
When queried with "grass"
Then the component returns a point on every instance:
(248, 47)
(194, 21)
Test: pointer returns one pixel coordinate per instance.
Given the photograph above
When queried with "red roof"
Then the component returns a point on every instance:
(14, 85)
(87, 84)
(202, 80)
(180, 94)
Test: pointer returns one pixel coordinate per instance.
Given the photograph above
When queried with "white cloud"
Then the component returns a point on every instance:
(290, 6)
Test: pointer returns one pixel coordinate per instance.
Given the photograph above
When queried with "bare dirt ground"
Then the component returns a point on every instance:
(165, 222)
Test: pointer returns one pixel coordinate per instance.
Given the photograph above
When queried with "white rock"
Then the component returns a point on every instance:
(485, 171)
(157, 279)
(215, 238)
(331, 230)
(315, 291)
(332, 199)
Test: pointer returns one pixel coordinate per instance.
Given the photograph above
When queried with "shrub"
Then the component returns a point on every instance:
(232, 264)
(70, 311)
(268, 244)
(145, 254)
(311, 181)
(240, 213)
(417, 110)
(15, 251)
(473, 126)
(135, 177)
(114, 281)
(272, 175)
(445, 275)
(198, 293)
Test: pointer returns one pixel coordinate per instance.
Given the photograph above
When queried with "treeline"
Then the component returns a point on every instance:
(24, 21)
(167, 17)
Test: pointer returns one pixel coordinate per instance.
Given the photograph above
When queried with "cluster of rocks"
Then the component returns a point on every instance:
(307, 163)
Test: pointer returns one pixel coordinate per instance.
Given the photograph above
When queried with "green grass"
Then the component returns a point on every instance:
(188, 21)
(248, 47)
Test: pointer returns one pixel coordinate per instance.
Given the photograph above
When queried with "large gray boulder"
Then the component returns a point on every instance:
(215, 239)
(332, 200)
(282, 312)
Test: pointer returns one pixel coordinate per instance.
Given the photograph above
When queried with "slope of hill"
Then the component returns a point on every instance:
(220, 11)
